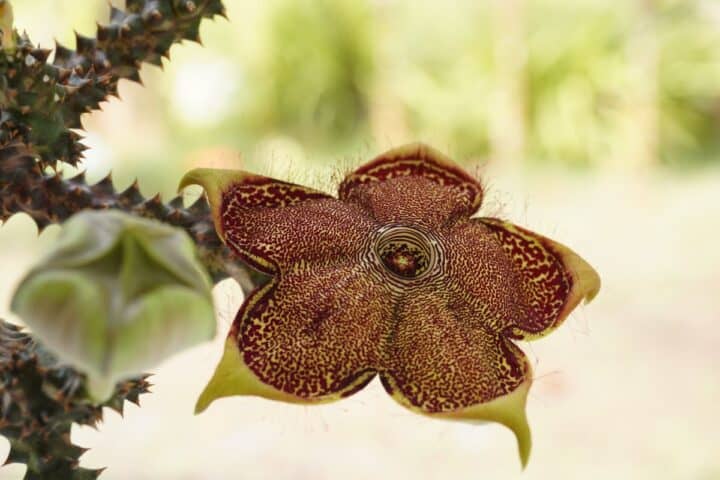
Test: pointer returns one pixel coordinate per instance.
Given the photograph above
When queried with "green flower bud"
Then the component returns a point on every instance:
(116, 296)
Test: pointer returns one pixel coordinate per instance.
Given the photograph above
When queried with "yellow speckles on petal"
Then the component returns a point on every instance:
(442, 365)
(413, 184)
(271, 224)
(395, 277)
(554, 279)
(233, 377)
(302, 348)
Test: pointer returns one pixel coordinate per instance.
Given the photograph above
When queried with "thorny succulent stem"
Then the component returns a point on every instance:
(41, 105)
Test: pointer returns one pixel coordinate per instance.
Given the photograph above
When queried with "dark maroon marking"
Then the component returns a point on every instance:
(359, 386)
(547, 300)
(386, 384)
(404, 260)
(260, 192)
(384, 168)
(430, 166)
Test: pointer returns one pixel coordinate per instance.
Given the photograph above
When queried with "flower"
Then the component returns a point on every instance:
(393, 278)
(116, 295)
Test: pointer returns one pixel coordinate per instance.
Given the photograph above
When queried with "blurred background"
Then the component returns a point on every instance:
(596, 123)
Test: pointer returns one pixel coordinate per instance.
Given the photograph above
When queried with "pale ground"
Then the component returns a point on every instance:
(629, 388)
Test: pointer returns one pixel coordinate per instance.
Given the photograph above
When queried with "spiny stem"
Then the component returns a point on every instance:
(50, 198)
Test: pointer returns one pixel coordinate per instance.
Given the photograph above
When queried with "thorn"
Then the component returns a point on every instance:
(40, 54)
(62, 53)
(84, 44)
(132, 194)
(105, 186)
(176, 202)
(107, 179)
(155, 59)
(103, 32)
(135, 77)
(117, 405)
(79, 178)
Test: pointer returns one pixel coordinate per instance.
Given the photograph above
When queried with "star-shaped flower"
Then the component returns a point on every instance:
(393, 278)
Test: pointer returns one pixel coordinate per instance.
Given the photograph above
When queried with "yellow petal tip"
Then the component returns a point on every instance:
(204, 400)
(214, 182)
(593, 284)
(232, 377)
(198, 176)
(508, 410)
(587, 280)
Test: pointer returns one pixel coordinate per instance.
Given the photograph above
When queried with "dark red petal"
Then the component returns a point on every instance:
(486, 287)
(523, 283)
(438, 363)
(270, 223)
(313, 334)
(413, 184)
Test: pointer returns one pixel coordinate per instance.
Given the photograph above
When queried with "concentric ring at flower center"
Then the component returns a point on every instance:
(406, 252)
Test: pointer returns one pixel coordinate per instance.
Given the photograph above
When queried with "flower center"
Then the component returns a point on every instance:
(405, 251)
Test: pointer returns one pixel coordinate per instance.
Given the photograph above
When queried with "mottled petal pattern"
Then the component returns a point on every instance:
(440, 362)
(553, 279)
(485, 285)
(270, 223)
(393, 278)
(312, 335)
(414, 184)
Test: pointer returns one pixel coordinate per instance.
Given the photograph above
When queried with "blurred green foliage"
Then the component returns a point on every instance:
(690, 82)
(443, 73)
(313, 83)
(575, 79)
(319, 79)
(579, 73)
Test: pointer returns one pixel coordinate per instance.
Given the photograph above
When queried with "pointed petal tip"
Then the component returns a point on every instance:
(215, 181)
(417, 160)
(204, 400)
(419, 151)
(593, 285)
(587, 280)
(222, 380)
(415, 149)
(524, 443)
(196, 176)
(233, 378)
(212, 177)
(508, 410)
